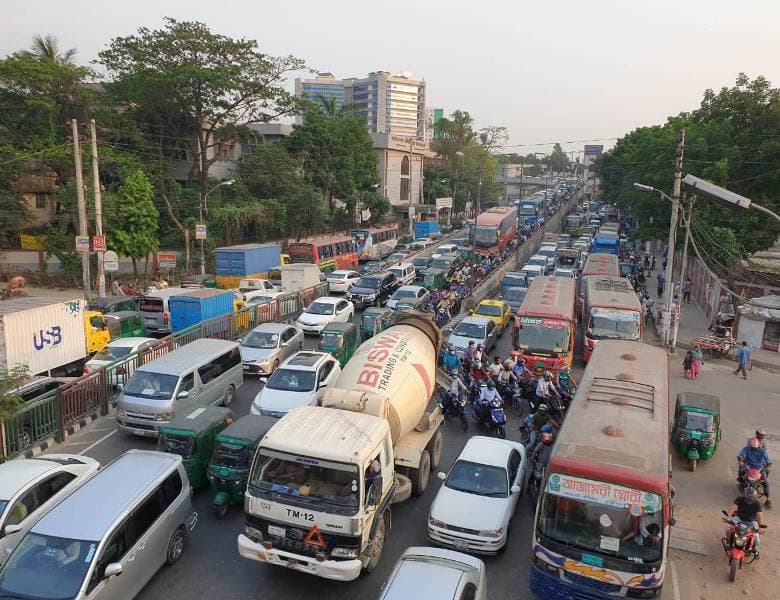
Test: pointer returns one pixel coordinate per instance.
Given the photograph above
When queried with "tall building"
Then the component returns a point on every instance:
(324, 86)
(432, 118)
(390, 103)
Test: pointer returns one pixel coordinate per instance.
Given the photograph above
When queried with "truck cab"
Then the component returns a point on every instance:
(96, 332)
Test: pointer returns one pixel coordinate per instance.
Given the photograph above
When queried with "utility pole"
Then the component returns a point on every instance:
(684, 265)
(101, 274)
(669, 295)
(83, 227)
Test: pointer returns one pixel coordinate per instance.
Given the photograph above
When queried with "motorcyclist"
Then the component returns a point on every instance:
(761, 435)
(489, 393)
(545, 388)
(520, 370)
(495, 367)
(451, 360)
(541, 455)
(506, 376)
(747, 509)
(753, 456)
(539, 421)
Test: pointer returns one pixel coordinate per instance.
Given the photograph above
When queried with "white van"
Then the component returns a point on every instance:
(404, 273)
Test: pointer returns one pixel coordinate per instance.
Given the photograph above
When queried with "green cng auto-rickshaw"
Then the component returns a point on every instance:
(228, 471)
(374, 320)
(696, 427)
(340, 340)
(192, 437)
(433, 279)
(124, 324)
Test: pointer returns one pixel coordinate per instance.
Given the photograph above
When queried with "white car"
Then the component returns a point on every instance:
(565, 273)
(473, 509)
(116, 350)
(341, 281)
(324, 311)
(30, 487)
(531, 271)
(539, 260)
(301, 380)
(264, 295)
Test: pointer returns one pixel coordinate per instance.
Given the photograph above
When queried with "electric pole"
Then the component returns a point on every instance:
(101, 274)
(683, 266)
(669, 295)
(83, 227)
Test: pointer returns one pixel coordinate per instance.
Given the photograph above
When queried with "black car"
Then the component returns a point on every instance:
(373, 290)
(372, 266)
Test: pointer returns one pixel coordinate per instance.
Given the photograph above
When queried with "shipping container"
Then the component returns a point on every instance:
(199, 305)
(426, 228)
(41, 333)
(231, 282)
(247, 259)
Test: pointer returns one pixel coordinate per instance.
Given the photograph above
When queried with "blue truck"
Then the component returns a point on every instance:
(529, 210)
(605, 243)
(199, 305)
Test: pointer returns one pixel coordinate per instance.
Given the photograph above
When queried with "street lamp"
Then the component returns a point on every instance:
(669, 258)
(205, 208)
(709, 191)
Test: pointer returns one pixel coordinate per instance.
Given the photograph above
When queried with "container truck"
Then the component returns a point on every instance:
(300, 276)
(199, 305)
(324, 477)
(234, 263)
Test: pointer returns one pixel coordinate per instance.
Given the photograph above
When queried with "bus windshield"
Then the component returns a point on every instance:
(613, 325)
(543, 335)
(528, 209)
(602, 518)
(485, 236)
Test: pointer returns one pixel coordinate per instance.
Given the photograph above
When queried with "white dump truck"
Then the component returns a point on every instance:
(323, 478)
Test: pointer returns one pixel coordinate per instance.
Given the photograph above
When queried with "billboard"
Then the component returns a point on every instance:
(594, 149)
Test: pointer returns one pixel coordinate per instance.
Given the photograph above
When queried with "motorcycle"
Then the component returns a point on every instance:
(452, 406)
(739, 546)
(749, 477)
(498, 418)
(535, 482)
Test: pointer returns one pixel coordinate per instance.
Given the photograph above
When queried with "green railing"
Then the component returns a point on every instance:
(34, 421)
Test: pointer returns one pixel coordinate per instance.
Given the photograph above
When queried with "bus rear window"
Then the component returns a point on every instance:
(150, 305)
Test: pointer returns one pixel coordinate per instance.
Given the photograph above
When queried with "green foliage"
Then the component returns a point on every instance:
(558, 159)
(131, 218)
(11, 380)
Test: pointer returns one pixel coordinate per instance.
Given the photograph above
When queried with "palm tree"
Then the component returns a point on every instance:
(47, 47)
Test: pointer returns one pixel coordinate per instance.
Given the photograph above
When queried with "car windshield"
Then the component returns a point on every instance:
(602, 518)
(261, 339)
(255, 300)
(155, 386)
(113, 353)
(402, 293)
(325, 486)
(320, 308)
(371, 283)
(421, 263)
(543, 335)
(614, 325)
(232, 456)
(547, 251)
(514, 280)
(441, 263)
(538, 260)
(488, 310)
(695, 421)
(173, 443)
(290, 380)
(372, 267)
(470, 330)
(514, 294)
(474, 478)
(44, 567)
(331, 340)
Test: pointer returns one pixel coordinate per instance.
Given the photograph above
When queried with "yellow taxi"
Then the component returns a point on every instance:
(497, 311)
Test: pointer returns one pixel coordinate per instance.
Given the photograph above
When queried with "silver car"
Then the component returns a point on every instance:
(436, 574)
(268, 345)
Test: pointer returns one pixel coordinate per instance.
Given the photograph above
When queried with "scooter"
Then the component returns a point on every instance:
(452, 406)
(498, 418)
(739, 546)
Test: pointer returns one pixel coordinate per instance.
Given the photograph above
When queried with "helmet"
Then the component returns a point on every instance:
(750, 492)
(760, 433)
(546, 428)
(547, 438)
(754, 442)
(547, 376)
(543, 408)
(454, 372)
(490, 384)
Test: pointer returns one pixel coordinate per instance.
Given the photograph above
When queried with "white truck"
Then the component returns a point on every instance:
(299, 276)
(42, 333)
(323, 478)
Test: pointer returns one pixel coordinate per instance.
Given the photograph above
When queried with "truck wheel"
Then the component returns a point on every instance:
(403, 488)
(436, 446)
(421, 475)
(377, 544)
(230, 394)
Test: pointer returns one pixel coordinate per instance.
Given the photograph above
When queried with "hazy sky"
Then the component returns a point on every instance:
(550, 70)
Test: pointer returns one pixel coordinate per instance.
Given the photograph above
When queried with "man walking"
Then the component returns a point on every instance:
(660, 278)
(743, 356)
(687, 287)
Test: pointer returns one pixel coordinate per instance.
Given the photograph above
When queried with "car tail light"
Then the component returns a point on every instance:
(340, 282)
(85, 371)
(165, 318)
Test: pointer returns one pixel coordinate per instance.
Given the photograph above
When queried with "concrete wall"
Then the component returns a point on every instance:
(30, 261)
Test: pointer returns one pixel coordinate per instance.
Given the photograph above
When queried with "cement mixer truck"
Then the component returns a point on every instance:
(324, 477)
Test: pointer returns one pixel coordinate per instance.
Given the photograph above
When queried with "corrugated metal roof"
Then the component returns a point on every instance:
(187, 356)
(551, 297)
(8, 307)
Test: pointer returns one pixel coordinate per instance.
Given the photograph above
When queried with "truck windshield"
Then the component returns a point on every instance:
(331, 486)
(155, 386)
(614, 325)
(602, 518)
(528, 210)
(485, 236)
(549, 336)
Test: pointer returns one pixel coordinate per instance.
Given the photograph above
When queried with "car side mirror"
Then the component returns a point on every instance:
(11, 529)
(322, 384)
(515, 489)
(183, 394)
(112, 569)
(441, 475)
(672, 521)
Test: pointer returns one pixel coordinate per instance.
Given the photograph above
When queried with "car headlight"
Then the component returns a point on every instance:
(253, 533)
(491, 533)
(436, 522)
(344, 553)
(164, 417)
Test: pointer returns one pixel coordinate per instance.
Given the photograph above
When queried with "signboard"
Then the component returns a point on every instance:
(443, 202)
(99, 243)
(468, 206)
(110, 262)
(82, 243)
(601, 492)
(31, 242)
(166, 260)
(200, 232)
(594, 149)
(412, 212)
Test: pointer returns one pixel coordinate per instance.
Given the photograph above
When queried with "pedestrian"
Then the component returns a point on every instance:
(647, 261)
(698, 361)
(687, 287)
(743, 356)
(660, 286)
(688, 365)
(652, 264)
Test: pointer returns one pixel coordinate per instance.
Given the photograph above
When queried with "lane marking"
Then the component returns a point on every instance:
(75, 444)
(100, 441)
(675, 583)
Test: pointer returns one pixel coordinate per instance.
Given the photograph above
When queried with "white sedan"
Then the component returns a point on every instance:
(341, 281)
(116, 350)
(324, 311)
(474, 507)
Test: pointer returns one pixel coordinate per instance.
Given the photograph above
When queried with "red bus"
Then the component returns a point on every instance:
(494, 229)
(602, 521)
(611, 311)
(330, 253)
(544, 324)
(604, 265)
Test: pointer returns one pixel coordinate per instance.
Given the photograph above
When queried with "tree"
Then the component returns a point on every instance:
(185, 84)
(132, 219)
(10, 381)
(47, 47)
(558, 159)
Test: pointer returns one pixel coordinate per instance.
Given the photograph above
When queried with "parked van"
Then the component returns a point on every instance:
(154, 309)
(199, 374)
(404, 273)
(109, 537)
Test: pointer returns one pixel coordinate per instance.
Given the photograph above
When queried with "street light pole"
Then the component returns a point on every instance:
(709, 191)
(200, 217)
